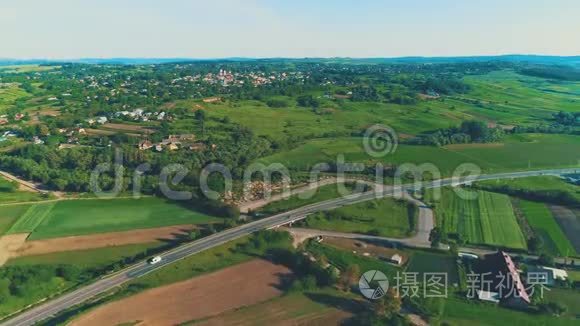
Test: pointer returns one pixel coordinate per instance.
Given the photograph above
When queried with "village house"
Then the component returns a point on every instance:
(145, 145)
(197, 147)
(211, 99)
(18, 116)
(173, 147)
(37, 141)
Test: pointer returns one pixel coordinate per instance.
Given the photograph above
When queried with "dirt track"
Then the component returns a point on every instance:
(15, 245)
(208, 295)
(39, 247)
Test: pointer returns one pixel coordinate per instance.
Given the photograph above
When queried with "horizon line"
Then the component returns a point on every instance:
(284, 57)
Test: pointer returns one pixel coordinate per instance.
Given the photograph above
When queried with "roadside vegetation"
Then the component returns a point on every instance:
(309, 197)
(385, 217)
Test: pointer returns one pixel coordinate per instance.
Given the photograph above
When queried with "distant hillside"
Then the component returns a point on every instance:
(533, 59)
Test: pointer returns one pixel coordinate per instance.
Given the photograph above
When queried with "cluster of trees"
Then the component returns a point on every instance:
(567, 118)
(22, 281)
(469, 132)
(276, 103)
(307, 101)
(547, 129)
(552, 72)
(70, 169)
(559, 197)
(442, 85)
(365, 93)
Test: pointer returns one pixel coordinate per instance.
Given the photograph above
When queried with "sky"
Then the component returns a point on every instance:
(61, 29)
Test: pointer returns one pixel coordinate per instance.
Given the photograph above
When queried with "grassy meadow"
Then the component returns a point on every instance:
(502, 97)
(9, 94)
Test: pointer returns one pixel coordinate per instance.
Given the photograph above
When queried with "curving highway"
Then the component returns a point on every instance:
(107, 283)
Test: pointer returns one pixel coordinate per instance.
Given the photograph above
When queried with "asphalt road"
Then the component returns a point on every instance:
(107, 283)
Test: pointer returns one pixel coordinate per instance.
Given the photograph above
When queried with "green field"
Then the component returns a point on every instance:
(567, 297)
(25, 68)
(32, 218)
(292, 308)
(385, 217)
(85, 259)
(422, 262)
(489, 219)
(9, 215)
(574, 275)
(9, 95)
(81, 217)
(460, 312)
(518, 152)
(541, 220)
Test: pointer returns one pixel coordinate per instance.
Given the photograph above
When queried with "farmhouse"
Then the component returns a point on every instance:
(503, 279)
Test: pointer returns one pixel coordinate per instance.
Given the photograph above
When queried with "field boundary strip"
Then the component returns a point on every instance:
(32, 218)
